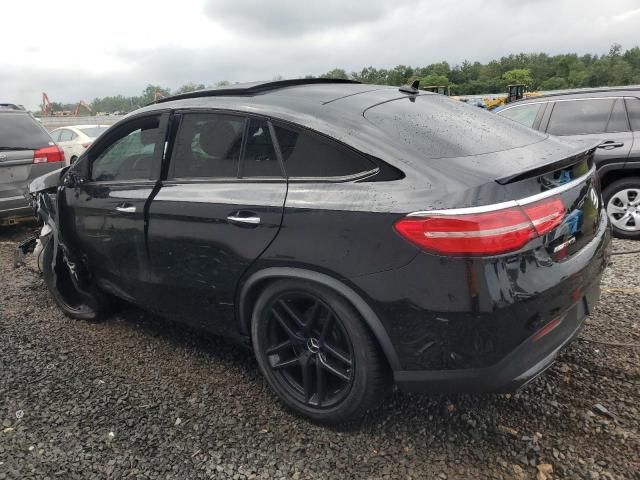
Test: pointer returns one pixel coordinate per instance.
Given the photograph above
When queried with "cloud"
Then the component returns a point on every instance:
(206, 41)
(285, 18)
(626, 15)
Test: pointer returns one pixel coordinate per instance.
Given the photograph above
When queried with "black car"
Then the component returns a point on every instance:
(608, 116)
(354, 235)
(26, 152)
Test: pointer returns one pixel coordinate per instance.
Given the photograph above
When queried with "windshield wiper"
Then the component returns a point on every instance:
(15, 148)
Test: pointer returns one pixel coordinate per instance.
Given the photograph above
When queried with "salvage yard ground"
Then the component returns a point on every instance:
(138, 397)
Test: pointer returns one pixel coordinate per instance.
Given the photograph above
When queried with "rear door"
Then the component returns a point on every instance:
(218, 209)
(594, 120)
(105, 213)
(66, 142)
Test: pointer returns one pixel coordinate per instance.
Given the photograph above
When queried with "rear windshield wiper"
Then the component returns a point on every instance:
(16, 148)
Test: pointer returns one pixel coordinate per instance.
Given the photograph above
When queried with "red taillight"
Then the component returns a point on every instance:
(545, 215)
(48, 155)
(486, 233)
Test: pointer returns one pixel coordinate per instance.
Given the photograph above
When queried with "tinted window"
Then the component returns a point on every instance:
(524, 114)
(618, 121)
(576, 117)
(208, 145)
(260, 157)
(21, 131)
(310, 155)
(65, 135)
(633, 107)
(130, 156)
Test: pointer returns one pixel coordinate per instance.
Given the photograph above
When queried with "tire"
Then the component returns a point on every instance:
(325, 339)
(76, 304)
(72, 160)
(617, 196)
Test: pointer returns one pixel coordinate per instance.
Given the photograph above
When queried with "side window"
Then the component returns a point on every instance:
(524, 114)
(65, 135)
(578, 117)
(633, 107)
(309, 155)
(260, 158)
(207, 145)
(618, 121)
(130, 156)
(74, 135)
(56, 135)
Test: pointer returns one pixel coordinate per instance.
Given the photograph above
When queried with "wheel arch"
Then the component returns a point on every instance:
(253, 286)
(615, 171)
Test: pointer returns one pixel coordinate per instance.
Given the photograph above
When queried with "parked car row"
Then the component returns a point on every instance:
(27, 151)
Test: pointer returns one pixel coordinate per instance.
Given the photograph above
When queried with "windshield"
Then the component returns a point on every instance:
(21, 131)
(435, 126)
(92, 132)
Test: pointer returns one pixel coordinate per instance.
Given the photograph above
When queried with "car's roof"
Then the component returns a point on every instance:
(625, 91)
(80, 127)
(378, 120)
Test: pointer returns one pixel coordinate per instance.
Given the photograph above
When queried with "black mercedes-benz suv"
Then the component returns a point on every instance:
(354, 235)
(609, 117)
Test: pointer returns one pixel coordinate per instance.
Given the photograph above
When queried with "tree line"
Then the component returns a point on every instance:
(540, 71)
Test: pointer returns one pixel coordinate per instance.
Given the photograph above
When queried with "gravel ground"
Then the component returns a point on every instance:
(139, 397)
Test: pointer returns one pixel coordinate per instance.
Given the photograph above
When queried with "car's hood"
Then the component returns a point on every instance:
(47, 181)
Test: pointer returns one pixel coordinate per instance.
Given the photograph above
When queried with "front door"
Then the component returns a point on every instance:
(216, 212)
(104, 214)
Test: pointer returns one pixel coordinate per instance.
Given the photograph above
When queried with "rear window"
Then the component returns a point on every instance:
(92, 132)
(21, 131)
(580, 117)
(523, 114)
(434, 126)
(307, 155)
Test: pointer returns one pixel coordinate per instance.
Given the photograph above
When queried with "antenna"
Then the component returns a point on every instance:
(413, 88)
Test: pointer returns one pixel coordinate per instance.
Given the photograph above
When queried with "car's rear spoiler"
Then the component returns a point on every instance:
(549, 167)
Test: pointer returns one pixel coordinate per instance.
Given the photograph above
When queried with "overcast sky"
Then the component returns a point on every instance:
(75, 49)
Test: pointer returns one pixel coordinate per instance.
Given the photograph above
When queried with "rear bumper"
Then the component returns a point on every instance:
(523, 364)
(12, 208)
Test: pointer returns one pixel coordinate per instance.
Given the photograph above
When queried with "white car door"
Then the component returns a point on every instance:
(66, 143)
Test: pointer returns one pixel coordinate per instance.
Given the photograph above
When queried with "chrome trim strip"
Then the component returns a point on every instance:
(511, 203)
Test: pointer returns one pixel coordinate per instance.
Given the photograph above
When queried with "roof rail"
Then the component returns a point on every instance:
(577, 91)
(253, 88)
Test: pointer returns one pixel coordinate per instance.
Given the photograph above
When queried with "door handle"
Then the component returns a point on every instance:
(235, 219)
(611, 144)
(124, 208)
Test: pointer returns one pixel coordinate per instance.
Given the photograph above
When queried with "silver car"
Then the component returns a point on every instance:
(26, 152)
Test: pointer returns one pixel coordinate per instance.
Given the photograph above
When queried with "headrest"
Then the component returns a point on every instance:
(217, 138)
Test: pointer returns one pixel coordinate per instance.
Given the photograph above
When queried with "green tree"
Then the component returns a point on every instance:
(335, 73)
(518, 75)
(190, 87)
(554, 83)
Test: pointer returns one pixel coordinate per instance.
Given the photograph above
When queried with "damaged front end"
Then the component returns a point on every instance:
(45, 194)
(42, 196)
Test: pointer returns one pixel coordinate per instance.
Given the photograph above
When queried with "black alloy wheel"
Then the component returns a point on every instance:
(309, 350)
(316, 353)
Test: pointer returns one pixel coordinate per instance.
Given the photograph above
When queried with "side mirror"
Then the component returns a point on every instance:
(77, 174)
